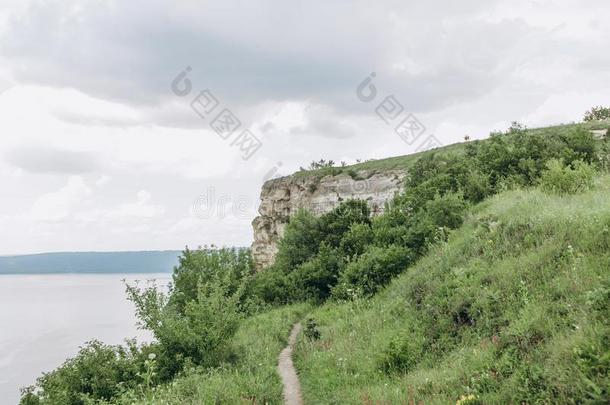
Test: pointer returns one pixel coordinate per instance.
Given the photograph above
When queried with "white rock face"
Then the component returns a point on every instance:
(281, 198)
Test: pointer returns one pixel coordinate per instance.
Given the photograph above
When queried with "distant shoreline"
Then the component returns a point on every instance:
(162, 261)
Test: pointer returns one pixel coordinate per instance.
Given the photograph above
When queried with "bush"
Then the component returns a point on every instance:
(314, 279)
(322, 163)
(565, 179)
(192, 325)
(579, 144)
(203, 266)
(433, 220)
(301, 240)
(402, 354)
(271, 286)
(598, 113)
(196, 334)
(355, 241)
(372, 270)
(337, 222)
(311, 329)
(97, 372)
(310, 254)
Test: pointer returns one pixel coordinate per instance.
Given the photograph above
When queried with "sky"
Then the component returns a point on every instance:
(131, 125)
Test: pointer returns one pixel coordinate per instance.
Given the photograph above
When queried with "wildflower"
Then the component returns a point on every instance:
(152, 356)
(465, 399)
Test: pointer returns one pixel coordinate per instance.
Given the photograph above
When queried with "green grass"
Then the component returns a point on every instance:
(406, 161)
(514, 308)
(253, 379)
(379, 165)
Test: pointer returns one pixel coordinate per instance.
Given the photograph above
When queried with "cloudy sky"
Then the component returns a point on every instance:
(99, 151)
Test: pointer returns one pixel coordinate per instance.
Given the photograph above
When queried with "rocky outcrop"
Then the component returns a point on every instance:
(283, 197)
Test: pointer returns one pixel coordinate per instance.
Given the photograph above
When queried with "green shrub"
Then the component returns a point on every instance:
(310, 254)
(336, 223)
(314, 279)
(192, 326)
(372, 270)
(311, 331)
(402, 354)
(196, 334)
(97, 372)
(431, 223)
(203, 266)
(597, 114)
(355, 241)
(565, 179)
(301, 240)
(271, 286)
(579, 144)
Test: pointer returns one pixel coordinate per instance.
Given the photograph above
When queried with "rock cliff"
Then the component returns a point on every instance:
(283, 197)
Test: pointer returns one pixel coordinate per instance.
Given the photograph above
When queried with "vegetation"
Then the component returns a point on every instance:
(513, 308)
(597, 114)
(485, 281)
(345, 254)
(99, 372)
(251, 377)
(565, 179)
(322, 163)
(193, 326)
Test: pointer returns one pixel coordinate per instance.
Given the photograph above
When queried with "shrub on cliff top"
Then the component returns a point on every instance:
(597, 114)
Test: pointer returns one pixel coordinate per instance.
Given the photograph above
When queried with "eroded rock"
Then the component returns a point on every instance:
(281, 198)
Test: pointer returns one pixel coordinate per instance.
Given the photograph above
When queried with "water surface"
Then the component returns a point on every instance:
(45, 318)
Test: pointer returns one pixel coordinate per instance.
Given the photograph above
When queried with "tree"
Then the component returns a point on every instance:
(598, 113)
(321, 164)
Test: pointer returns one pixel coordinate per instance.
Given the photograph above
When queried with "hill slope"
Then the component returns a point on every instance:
(514, 308)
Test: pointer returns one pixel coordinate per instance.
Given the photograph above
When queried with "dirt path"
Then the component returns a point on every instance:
(290, 379)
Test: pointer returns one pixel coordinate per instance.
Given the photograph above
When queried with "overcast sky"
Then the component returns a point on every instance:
(99, 151)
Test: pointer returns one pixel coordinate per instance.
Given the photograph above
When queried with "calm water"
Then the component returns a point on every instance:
(45, 318)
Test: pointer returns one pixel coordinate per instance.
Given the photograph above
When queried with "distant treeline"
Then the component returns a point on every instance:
(91, 262)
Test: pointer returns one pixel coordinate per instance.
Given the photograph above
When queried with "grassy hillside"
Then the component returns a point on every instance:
(406, 161)
(485, 281)
(513, 308)
(252, 379)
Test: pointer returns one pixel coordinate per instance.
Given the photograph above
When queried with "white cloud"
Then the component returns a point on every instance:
(60, 204)
(142, 210)
(87, 117)
(102, 180)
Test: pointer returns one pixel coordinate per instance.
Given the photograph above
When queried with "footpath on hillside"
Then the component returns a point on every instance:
(290, 379)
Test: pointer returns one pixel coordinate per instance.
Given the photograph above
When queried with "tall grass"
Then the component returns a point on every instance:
(514, 308)
(251, 379)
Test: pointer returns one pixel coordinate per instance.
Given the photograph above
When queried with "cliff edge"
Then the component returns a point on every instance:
(283, 197)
